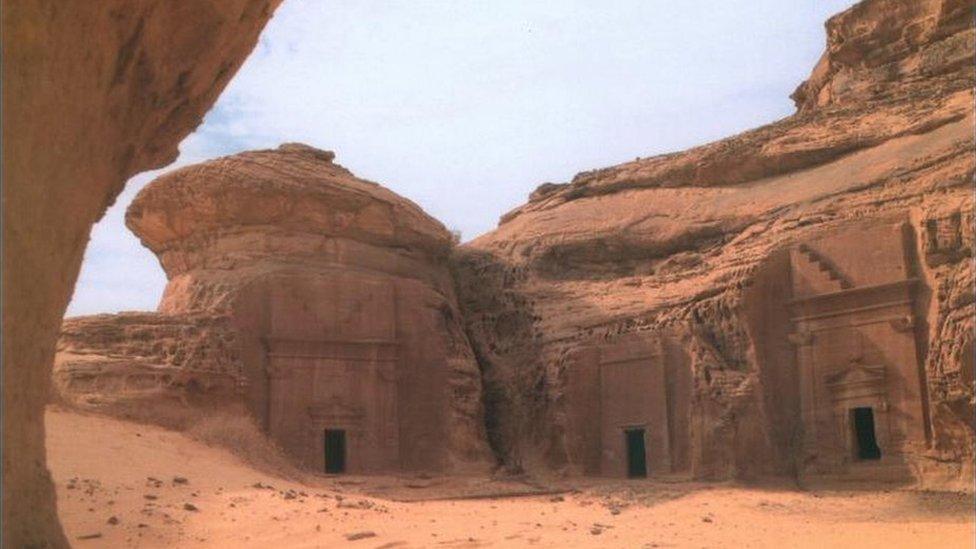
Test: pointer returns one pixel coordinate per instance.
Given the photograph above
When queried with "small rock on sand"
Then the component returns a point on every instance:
(360, 535)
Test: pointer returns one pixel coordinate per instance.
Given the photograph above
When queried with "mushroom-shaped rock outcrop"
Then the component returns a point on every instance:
(339, 300)
(217, 223)
(294, 189)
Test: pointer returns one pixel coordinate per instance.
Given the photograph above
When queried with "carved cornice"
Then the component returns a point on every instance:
(854, 300)
(335, 410)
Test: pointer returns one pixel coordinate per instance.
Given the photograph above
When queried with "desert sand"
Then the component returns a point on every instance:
(123, 484)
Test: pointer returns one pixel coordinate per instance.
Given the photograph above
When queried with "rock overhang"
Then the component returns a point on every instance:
(277, 202)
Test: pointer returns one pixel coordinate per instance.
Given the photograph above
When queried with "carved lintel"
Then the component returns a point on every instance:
(905, 323)
(801, 338)
(335, 410)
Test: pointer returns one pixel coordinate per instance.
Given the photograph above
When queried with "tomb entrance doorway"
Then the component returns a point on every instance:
(335, 451)
(636, 453)
(862, 420)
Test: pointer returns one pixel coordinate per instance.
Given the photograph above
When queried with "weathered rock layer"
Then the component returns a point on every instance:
(129, 363)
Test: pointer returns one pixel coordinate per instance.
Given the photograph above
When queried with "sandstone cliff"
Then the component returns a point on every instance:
(692, 246)
(93, 93)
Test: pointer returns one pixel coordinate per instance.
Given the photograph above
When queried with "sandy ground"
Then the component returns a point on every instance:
(125, 484)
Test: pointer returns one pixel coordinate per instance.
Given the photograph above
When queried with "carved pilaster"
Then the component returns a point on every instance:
(801, 338)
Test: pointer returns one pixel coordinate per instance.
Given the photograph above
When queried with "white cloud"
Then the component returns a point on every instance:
(464, 106)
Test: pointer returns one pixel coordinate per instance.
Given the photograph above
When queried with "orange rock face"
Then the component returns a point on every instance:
(93, 93)
(342, 306)
(760, 279)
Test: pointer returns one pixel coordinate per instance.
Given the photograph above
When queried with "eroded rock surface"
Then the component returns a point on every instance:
(694, 249)
(340, 301)
(93, 92)
(129, 363)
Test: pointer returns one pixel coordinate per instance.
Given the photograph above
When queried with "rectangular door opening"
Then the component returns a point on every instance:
(636, 455)
(335, 451)
(867, 444)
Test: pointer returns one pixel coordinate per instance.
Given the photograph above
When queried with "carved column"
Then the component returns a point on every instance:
(802, 339)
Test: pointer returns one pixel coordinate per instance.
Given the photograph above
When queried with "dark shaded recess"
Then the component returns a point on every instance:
(499, 325)
(335, 451)
(622, 254)
(636, 453)
(867, 444)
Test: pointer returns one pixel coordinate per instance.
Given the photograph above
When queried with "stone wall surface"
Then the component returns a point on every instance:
(696, 247)
(93, 93)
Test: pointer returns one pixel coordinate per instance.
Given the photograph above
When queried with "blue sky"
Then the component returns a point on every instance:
(465, 107)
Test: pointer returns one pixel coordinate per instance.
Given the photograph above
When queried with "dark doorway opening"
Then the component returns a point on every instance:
(636, 455)
(867, 444)
(335, 451)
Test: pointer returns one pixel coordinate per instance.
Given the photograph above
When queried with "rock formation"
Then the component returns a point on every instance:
(135, 364)
(794, 300)
(93, 92)
(339, 306)
(714, 267)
